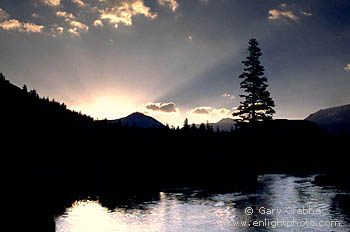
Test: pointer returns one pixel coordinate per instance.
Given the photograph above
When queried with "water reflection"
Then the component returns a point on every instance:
(194, 211)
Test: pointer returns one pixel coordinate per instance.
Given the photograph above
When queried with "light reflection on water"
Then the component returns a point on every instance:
(188, 212)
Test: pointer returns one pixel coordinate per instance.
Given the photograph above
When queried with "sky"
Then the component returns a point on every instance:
(176, 59)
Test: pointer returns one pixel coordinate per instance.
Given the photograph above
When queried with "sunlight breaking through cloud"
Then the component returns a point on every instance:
(76, 26)
(123, 12)
(14, 24)
(31, 27)
(52, 2)
(79, 25)
(67, 16)
(98, 23)
(11, 24)
(183, 57)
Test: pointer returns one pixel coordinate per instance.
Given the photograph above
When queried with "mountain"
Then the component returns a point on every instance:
(139, 120)
(335, 119)
(225, 124)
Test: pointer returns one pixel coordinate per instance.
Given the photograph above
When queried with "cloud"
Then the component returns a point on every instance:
(123, 11)
(212, 112)
(222, 112)
(209, 114)
(67, 16)
(305, 13)
(79, 2)
(172, 4)
(55, 29)
(74, 31)
(3, 14)
(52, 2)
(279, 14)
(98, 23)
(229, 96)
(347, 68)
(79, 25)
(77, 28)
(201, 110)
(162, 107)
(31, 27)
(12, 24)
(60, 29)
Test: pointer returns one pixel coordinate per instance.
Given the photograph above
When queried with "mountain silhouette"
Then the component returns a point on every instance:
(334, 120)
(225, 124)
(139, 120)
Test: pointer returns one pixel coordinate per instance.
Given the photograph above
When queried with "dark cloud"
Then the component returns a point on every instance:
(201, 110)
(162, 107)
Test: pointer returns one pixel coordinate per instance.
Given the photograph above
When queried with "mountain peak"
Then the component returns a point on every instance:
(226, 120)
(139, 120)
(137, 114)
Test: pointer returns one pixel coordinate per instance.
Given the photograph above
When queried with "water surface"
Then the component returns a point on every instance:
(279, 203)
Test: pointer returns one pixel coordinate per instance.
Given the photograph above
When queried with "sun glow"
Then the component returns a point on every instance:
(109, 106)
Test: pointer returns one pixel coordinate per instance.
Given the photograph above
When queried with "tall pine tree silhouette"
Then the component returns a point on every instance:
(257, 105)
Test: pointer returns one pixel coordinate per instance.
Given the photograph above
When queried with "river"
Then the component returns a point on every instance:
(278, 203)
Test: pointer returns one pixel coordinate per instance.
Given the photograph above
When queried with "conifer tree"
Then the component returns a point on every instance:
(257, 105)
